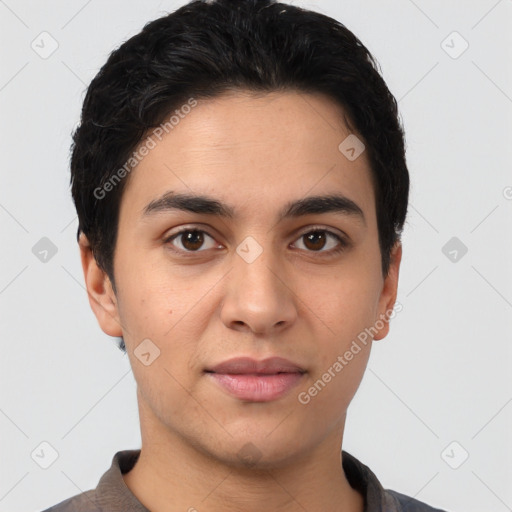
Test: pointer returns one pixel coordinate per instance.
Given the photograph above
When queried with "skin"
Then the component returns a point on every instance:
(254, 153)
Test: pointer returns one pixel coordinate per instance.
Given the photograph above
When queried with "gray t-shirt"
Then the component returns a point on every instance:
(113, 495)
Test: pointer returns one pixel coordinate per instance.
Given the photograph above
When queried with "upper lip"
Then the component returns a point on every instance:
(248, 365)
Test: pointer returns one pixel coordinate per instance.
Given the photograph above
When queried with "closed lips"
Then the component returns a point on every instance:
(250, 366)
(249, 380)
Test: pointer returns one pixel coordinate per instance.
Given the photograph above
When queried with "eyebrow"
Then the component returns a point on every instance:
(201, 204)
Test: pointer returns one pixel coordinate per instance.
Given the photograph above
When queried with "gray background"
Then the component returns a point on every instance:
(437, 388)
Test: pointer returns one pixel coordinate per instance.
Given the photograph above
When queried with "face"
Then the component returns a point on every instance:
(268, 280)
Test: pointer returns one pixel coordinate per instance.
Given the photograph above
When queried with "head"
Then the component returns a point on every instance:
(231, 118)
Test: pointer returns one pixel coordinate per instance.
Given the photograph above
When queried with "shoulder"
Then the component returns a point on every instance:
(84, 502)
(377, 498)
(408, 504)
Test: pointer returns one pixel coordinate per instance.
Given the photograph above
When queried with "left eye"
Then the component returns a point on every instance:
(317, 239)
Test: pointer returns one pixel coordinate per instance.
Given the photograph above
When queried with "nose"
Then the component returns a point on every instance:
(259, 296)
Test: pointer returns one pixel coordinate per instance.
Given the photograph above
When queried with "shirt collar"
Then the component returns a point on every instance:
(362, 478)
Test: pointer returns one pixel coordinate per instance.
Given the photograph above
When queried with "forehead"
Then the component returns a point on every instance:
(252, 152)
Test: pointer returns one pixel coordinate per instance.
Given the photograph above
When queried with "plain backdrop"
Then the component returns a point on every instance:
(436, 398)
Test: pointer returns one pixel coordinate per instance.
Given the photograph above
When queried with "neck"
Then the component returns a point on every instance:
(158, 481)
(172, 471)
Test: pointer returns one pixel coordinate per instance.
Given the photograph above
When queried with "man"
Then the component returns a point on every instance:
(240, 180)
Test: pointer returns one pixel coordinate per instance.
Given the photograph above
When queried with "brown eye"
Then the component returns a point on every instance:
(191, 240)
(316, 241)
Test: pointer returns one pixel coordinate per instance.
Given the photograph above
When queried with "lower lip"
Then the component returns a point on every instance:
(257, 388)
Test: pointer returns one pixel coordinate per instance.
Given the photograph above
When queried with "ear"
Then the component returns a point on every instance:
(389, 291)
(99, 289)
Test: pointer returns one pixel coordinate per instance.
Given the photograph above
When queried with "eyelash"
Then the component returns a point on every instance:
(343, 244)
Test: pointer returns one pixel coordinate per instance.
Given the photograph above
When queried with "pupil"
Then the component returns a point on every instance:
(319, 236)
(193, 240)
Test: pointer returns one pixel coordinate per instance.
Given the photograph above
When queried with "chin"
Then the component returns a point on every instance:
(259, 451)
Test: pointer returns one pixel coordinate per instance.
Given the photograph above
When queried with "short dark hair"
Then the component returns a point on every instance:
(207, 48)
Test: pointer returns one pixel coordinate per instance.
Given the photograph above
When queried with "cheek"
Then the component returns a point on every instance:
(155, 323)
(342, 305)
(155, 306)
(341, 310)
(148, 296)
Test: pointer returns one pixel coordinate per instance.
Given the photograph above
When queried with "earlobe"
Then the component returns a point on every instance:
(99, 290)
(389, 293)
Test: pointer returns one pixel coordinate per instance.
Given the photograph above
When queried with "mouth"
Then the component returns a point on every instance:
(256, 381)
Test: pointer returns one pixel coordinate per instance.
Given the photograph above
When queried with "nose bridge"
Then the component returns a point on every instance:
(257, 265)
(256, 294)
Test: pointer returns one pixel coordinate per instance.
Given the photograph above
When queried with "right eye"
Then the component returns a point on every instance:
(190, 239)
